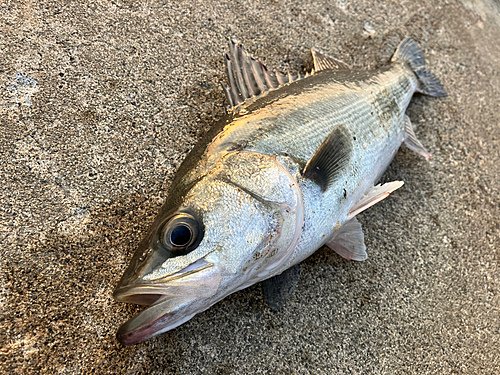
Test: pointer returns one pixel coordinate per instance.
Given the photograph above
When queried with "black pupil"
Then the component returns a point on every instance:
(180, 236)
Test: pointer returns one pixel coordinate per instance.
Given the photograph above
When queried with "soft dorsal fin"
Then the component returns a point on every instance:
(279, 288)
(349, 241)
(374, 195)
(249, 77)
(322, 61)
(329, 158)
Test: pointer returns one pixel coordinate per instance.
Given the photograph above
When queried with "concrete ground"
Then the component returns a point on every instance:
(100, 102)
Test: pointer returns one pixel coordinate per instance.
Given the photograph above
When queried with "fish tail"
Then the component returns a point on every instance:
(409, 52)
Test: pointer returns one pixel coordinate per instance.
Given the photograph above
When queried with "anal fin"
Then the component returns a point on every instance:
(411, 140)
(374, 195)
(349, 241)
(279, 288)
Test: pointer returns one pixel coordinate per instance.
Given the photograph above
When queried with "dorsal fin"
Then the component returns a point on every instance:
(322, 61)
(249, 77)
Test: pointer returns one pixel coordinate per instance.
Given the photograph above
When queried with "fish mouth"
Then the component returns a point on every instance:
(172, 301)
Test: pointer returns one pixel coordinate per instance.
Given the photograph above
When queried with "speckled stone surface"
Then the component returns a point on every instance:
(101, 101)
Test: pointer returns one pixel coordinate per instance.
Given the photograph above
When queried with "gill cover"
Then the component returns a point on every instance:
(236, 226)
(269, 182)
(248, 191)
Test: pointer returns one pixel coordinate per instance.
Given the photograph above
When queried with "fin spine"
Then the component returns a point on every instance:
(249, 77)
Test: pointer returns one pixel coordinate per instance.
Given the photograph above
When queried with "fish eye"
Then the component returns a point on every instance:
(180, 233)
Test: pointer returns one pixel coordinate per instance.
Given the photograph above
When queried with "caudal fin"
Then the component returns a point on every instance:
(409, 52)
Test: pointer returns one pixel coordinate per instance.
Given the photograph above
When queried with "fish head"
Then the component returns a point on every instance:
(235, 226)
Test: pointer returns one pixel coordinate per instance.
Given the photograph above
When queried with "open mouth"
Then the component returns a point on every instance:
(172, 301)
(158, 318)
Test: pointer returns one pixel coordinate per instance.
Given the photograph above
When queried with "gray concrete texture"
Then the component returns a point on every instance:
(101, 101)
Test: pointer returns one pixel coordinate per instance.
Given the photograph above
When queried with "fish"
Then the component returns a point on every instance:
(282, 174)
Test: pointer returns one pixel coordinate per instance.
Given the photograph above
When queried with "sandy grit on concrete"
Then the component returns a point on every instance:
(101, 101)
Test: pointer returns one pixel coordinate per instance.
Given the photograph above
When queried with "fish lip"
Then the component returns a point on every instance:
(126, 294)
(140, 328)
(157, 286)
(175, 299)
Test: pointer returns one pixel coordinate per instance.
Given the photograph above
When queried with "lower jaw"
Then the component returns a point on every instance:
(174, 303)
(154, 320)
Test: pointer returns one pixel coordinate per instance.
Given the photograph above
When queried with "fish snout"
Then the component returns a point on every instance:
(172, 300)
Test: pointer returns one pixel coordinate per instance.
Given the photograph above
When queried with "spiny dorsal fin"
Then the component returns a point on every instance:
(322, 61)
(329, 158)
(277, 289)
(249, 77)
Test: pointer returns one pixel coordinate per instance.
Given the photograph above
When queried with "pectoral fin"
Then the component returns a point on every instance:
(375, 195)
(349, 241)
(330, 158)
(277, 289)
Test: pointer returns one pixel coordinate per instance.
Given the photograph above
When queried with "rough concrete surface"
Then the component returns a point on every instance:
(100, 102)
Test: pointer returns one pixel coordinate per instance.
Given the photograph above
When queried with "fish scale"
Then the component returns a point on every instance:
(284, 173)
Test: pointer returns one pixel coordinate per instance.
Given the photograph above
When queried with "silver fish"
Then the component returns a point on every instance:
(284, 173)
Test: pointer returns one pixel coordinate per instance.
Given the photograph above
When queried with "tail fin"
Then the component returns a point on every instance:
(409, 52)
